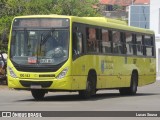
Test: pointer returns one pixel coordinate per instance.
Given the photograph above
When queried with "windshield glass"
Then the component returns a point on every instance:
(39, 46)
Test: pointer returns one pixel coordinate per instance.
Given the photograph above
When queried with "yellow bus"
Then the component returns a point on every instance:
(49, 53)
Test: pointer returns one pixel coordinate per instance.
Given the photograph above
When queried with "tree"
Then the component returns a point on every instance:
(75, 7)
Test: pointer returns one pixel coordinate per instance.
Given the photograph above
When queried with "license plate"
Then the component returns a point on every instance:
(36, 87)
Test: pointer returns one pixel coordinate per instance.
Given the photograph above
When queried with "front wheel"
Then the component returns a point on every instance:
(86, 93)
(38, 94)
(90, 87)
(133, 86)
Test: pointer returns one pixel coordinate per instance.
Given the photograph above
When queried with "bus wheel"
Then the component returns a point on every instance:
(133, 86)
(90, 87)
(38, 94)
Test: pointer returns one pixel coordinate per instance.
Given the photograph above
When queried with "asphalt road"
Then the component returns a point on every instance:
(147, 99)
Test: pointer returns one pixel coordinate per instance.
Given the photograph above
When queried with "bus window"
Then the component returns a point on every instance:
(129, 44)
(148, 41)
(91, 40)
(106, 44)
(117, 47)
(139, 44)
(153, 44)
(123, 43)
(98, 40)
(77, 43)
(19, 41)
(144, 47)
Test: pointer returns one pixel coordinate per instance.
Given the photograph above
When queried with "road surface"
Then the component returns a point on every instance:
(147, 99)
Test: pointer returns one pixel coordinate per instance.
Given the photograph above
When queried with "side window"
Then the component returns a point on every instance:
(153, 46)
(129, 44)
(139, 44)
(99, 40)
(123, 42)
(77, 40)
(106, 43)
(134, 44)
(92, 44)
(117, 47)
(149, 45)
(77, 43)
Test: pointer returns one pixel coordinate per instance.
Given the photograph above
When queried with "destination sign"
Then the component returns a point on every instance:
(40, 22)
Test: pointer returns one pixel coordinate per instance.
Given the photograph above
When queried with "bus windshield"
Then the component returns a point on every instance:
(39, 46)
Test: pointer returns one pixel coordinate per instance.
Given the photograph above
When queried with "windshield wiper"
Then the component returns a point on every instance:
(45, 36)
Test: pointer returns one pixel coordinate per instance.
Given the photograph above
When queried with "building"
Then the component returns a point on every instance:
(116, 8)
(119, 8)
(155, 25)
(139, 15)
(124, 2)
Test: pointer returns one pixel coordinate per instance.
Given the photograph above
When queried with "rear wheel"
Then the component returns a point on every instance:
(38, 94)
(133, 86)
(90, 87)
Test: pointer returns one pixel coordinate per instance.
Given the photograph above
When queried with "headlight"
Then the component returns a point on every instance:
(62, 73)
(12, 74)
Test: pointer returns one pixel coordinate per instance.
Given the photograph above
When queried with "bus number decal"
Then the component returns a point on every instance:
(24, 75)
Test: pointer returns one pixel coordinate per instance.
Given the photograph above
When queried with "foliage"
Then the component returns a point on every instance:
(75, 7)
(12, 8)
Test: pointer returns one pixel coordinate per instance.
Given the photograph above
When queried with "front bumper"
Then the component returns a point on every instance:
(50, 84)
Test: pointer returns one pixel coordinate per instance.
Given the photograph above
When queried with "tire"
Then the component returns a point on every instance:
(38, 94)
(133, 86)
(90, 87)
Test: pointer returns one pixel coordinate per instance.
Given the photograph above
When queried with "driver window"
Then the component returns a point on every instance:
(77, 43)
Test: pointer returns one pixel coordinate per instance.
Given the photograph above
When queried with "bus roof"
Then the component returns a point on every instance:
(111, 23)
(98, 21)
